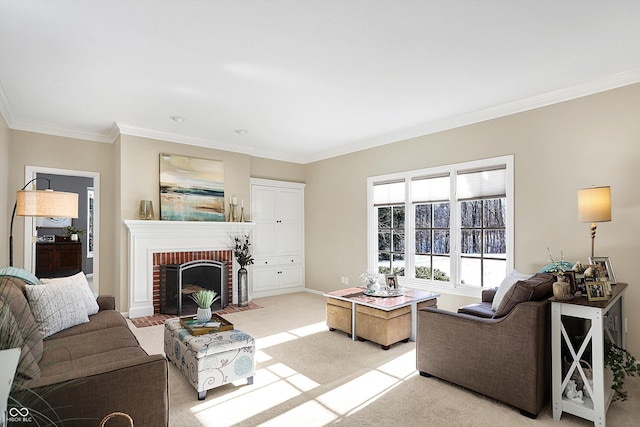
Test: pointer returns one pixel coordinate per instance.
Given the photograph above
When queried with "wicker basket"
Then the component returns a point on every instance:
(103, 423)
(575, 375)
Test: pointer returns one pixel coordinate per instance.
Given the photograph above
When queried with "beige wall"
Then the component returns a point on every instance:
(5, 209)
(32, 149)
(558, 149)
(278, 170)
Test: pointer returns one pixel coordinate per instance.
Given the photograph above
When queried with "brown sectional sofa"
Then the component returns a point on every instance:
(90, 370)
(505, 357)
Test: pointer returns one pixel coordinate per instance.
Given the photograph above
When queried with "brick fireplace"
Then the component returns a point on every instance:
(151, 243)
(160, 258)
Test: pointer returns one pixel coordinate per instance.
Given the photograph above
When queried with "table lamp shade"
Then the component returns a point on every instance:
(594, 204)
(47, 203)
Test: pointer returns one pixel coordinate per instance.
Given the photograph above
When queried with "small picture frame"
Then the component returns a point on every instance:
(597, 291)
(605, 269)
(391, 280)
(571, 279)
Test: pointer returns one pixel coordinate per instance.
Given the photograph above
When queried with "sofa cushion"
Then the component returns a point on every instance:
(100, 321)
(12, 294)
(481, 309)
(538, 287)
(506, 285)
(56, 306)
(79, 280)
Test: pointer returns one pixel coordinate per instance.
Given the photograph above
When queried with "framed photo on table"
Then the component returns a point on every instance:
(597, 291)
(391, 280)
(605, 269)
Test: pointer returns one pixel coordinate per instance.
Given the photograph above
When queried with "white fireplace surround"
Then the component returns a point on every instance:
(148, 237)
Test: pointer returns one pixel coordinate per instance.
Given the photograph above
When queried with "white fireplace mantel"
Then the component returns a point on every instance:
(148, 237)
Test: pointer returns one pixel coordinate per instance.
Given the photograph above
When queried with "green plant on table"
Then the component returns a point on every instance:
(205, 298)
(73, 230)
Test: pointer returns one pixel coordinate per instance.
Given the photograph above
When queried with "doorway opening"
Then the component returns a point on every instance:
(37, 230)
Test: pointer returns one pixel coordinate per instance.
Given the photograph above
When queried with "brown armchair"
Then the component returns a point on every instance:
(505, 358)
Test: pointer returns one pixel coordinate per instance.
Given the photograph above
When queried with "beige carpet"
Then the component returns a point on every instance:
(308, 376)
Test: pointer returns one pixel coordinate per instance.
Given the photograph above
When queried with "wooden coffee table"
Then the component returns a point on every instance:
(384, 320)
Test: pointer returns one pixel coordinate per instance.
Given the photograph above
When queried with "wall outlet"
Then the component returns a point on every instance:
(344, 280)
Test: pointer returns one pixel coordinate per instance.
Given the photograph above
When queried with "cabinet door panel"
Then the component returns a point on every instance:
(263, 203)
(265, 279)
(289, 205)
(264, 239)
(289, 239)
(290, 276)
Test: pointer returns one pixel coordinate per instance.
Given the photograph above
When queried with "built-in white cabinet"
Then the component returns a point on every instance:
(277, 210)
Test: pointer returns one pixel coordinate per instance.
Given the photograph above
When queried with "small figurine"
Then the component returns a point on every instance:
(573, 393)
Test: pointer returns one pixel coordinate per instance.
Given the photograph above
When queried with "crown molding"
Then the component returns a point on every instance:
(614, 81)
(131, 130)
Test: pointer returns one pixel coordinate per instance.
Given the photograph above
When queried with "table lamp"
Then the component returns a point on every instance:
(594, 205)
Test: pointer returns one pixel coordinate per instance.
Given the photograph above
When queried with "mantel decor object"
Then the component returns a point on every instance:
(146, 209)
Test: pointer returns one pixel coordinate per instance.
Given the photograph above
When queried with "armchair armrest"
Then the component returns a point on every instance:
(106, 302)
(489, 294)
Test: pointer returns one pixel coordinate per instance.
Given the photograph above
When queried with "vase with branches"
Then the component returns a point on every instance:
(242, 251)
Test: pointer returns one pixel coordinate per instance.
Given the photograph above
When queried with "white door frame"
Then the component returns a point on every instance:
(30, 227)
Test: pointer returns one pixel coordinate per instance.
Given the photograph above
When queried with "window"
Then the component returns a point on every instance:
(447, 227)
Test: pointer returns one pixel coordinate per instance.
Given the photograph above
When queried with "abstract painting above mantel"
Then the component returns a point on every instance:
(191, 189)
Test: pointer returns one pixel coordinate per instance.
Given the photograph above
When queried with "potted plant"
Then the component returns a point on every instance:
(204, 299)
(74, 232)
(622, 364)
(243, 256)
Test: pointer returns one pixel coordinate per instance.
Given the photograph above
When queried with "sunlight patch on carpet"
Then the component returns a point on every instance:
(313, 414)
(357, 392)
(401, 367)
(268, 391)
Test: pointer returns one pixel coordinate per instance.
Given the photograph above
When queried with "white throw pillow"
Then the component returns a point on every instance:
(82, 287)
(506, 284)
(56, 306)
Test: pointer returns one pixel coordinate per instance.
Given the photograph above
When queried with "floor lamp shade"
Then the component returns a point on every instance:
(594, 204)
(47, 203)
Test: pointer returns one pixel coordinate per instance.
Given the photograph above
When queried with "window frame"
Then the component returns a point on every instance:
(453, 286)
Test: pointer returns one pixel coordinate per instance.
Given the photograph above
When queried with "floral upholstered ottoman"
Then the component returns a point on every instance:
(210, 360)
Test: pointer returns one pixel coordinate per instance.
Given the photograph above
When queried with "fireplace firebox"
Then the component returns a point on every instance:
(179, 281)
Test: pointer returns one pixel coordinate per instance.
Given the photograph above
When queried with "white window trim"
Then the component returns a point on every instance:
(431, 285)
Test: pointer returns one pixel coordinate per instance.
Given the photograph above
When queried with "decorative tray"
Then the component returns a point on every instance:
(384, 293)
(196, 327)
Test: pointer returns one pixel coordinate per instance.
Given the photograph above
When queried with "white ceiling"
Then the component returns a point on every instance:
(307, 79)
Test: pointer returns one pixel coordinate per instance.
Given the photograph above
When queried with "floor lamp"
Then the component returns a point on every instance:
(42, 203)
(594, 205)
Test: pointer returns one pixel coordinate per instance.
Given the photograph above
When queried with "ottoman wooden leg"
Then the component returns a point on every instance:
(250, 380)
(202, 395)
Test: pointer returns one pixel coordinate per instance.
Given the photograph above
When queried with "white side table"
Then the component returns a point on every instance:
(603, 321)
